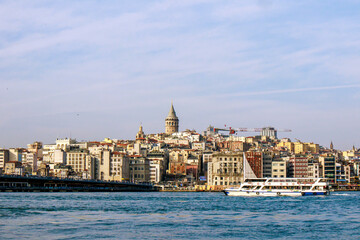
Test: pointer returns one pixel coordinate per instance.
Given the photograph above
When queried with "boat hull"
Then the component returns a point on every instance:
(254, 193)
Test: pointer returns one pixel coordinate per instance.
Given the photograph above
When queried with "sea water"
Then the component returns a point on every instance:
(177, 215)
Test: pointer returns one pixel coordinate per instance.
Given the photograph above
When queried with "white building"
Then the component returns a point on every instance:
(59, 156)
(48, 152)
(313, 170)
(64, 143)
(4, 158)
(29, 158)
(198, 146)
(158, 165)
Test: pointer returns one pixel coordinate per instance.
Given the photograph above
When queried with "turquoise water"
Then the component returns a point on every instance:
(170, 215)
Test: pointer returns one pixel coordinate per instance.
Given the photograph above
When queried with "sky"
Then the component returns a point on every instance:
(95, 69)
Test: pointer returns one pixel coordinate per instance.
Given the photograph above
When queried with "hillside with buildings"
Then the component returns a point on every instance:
(210, 160)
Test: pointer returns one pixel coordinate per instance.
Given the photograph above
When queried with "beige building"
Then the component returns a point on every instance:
(79, 160)
(171, 122)
(15, 154)
(198, 146)
(313, 147)
(226, 169)
(36, 148)
(139, 169)
(300, 147)
(206, 159)
(62, 171)
(351, 154)
(288, 145)
(114, 166)
(177, 162)
(278, 168)
(119, 167)
(14, 168)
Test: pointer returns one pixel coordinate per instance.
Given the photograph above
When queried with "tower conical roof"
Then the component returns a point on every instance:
(172, 113)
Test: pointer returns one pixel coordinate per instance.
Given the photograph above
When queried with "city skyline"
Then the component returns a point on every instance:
(93, 70)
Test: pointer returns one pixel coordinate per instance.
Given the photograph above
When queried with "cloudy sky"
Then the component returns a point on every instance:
(95, 69)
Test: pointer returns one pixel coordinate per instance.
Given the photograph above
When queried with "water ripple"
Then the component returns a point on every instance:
(177, 215)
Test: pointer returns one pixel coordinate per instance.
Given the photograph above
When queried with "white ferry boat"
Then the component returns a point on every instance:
(280, 187)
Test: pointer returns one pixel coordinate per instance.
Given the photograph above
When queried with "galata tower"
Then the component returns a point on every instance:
(171, 122)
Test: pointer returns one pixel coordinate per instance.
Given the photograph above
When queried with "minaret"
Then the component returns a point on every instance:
(171, 122)
(331, 146)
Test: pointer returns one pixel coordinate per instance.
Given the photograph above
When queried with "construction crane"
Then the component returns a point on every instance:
(263, 130)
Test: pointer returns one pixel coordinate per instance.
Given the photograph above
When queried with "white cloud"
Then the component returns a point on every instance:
(62, 58)
(295, 90)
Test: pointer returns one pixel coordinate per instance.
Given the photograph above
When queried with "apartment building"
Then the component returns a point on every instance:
(279, 168)
(226, 168)
(298, 166)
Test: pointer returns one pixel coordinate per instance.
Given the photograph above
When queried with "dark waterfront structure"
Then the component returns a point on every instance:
(12, 183)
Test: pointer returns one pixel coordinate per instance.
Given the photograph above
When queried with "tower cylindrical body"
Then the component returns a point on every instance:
(171, 122)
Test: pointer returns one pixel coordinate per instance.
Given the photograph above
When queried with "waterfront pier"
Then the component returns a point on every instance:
(13, 183)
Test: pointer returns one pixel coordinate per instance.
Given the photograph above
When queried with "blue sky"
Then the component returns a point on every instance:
(96, 69)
